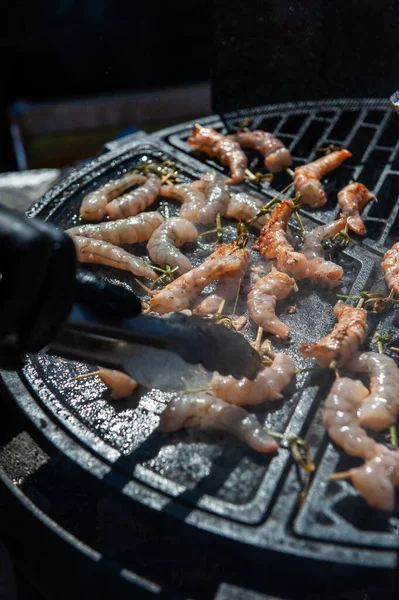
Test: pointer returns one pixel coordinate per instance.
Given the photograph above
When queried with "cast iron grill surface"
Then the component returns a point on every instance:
(206, 479)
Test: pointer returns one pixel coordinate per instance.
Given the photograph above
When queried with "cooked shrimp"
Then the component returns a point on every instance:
(216, 194)
(323, 271)
(192, 200)
(244, 207)
(123, 231)
(227, 151)
(307, 177)
(94, 204)
(378, 411)
(272, 242)
(104, 253)
(266, 386)
(119, 384)
(262, 301)
(226, 288)
(207, 412)
(376, 479)
(343, 341)
(352, 199)
(176, 296)
(163, 244)
(136, 201)
(390, 266)
(341, 420)
(277, 156)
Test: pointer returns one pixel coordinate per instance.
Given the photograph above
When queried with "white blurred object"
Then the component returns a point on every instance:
(21, 189)
(394, 100)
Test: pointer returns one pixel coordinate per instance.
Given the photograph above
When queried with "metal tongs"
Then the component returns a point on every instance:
(170, 353)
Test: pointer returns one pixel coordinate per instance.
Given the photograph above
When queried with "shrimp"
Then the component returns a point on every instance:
(307, 177)
(163, 244)
(104, 253)
(176, 296)
(262, 301)
(352, 199)
(277, 157)
(119, 384)
(390, 266)
(192, 200)
(226, 289)
(207, 412)
(378, 411)
(136, 201)
(343, 341)
(376, 479)
(341, 420)
(227, 151)
(244, 207)
(323, 271)
(94, 204)
(272, 242)
(266, 386)
(124, 231)
(216, 194)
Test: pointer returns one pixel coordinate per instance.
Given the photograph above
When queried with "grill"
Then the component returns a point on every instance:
(231, 511)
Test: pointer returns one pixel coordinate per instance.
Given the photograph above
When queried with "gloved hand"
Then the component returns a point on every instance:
(37, 285)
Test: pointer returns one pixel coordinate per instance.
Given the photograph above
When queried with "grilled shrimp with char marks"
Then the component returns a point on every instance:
(136, 201)
(262, 301)
(276, 156)
(94, 204)
(124, 231)
(266, 386)
(119, 384)
(352, 199)
(176, 296)
(164, 242)
(307, 177)
(227, 151)
(272, 242)
(244, 207)
(341, 420)
(192, 200)
(207, 412)
(343, 341)
(216, 194)
(323, 271)
(379, 410)
(89, 250)
(390, 266)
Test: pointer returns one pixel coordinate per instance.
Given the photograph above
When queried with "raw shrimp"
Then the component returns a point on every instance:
(192, 200)
(124, 231)
(226, 289)
(307, 177)
(390, 266)
(323, 271)
(176, 296)
(376, 479)
(262, 301)
(343, 341)
(207, 412)
(244, 207)
(272, 242)
(104, 253)
(119, 384)
(136, 201)
(163, 244)
(216, 194)
(341, 420)
(352, 199)
(266, 386)
(378, 411)
(94, 204)
(277, 156)
(227, 151)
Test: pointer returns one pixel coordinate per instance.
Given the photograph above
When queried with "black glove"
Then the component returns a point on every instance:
(37, 287)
